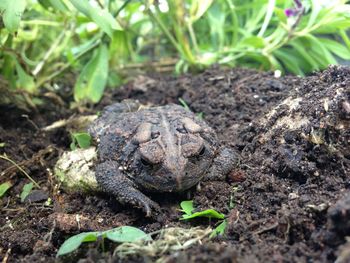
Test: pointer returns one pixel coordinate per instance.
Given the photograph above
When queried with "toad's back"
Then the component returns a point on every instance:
(122, 126)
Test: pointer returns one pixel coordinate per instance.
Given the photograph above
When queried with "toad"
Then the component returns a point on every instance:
(156, 149)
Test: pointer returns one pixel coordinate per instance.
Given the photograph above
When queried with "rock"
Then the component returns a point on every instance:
(74, 170)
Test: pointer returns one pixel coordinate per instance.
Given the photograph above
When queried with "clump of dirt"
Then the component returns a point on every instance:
(286, 200)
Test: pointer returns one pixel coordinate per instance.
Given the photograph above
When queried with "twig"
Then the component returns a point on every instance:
(6, 257)
(19, 168)
(121, 8)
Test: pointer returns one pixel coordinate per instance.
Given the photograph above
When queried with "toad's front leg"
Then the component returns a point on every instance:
(222, 165)
(114, 182)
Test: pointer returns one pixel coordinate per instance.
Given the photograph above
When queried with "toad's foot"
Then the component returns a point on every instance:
(114, 182)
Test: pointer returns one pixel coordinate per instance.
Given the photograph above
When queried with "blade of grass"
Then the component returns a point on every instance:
(19, 168)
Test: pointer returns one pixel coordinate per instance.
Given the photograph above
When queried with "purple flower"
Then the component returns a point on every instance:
(290, 12)
(298, 9)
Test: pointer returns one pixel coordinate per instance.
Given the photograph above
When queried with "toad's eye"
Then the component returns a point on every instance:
(181, 130)
(145, 162)
(202, 151)
(155, 135)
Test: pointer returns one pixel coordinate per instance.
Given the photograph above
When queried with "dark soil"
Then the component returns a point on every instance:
(289, 193)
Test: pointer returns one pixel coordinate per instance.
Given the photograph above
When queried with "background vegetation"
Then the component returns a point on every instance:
(104, 42)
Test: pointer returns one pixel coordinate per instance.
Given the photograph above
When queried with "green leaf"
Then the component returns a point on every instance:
(93, 78)
(27, 188)
(289, 61)
(280, 14)
(119, 234)
(24, 80)
(336, 48)
(187, 207)
(82, 138)
(12, 13)
(55, 4)
(74, 242)
(316, 8)
(220, 229)
(210, 213)
(4, 187)
(198, 8)
(322, 56)
(101, 17)
(73, 145)
(184, 104)
(2, 144)
(303, 52)
(253, 41)
(126, 234)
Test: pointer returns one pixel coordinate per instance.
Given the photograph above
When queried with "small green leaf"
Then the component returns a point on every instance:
(187, 207)
(101, 17)
(74, 242)
(119, 234)
(55, 4)
(4, 187)
(210, 213)
(220, 229)
(126, 234)
(27, 188)
(2, 144)
(254, 41)
(24, 81)
(280, 14)
(289, 61)
(12, 13)
(301, 49)
(83, 139)
(184, 104)
(93, 78)
(198, 8)
(73, 146)
(336, 48)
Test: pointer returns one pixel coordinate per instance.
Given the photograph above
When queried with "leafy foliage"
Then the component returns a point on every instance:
(27, 188)
(11, 13)
(82, 139)
(187, 208)
(104, 42)
(4, 187)
(119, 234)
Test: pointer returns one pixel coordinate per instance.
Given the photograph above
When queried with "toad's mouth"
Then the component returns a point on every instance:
(168, 182)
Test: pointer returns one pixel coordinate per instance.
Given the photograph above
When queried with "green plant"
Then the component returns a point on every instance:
(120, 234)
(82, 139)
(104, 42)
(187, 208)
(4, 187)
(27, 188)
(262, 34)
(56, 35)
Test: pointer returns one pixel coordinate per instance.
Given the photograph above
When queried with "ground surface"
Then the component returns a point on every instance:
(276, 217)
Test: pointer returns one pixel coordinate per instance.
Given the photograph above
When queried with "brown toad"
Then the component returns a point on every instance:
(157, 149)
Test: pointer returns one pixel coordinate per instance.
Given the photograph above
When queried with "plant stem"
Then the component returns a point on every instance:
(193, 36)
(234, 22)
(165, 31)
(269, 12)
